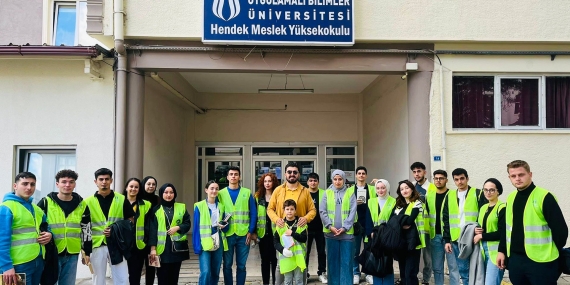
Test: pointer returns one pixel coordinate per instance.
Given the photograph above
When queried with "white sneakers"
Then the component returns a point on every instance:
(369, 279)
(356, 280)
(323, 279)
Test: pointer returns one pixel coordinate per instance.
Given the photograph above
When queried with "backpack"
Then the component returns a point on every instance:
(564, 260)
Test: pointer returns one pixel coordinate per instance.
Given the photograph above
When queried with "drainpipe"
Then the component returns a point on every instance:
(443, 131)
(120, 94)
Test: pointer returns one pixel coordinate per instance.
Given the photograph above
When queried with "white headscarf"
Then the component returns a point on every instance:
(387, 184)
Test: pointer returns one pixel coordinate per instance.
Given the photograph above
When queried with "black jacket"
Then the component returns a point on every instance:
(121, 241)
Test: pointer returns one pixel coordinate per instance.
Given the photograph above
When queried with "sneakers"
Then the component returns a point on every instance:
(369, 279)
(356, 280)
(323, 279)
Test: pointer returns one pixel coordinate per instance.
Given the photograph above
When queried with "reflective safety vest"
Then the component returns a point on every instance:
(538, 242)
(143, 210)
(25, 232)
(98, 220)
(66, 231)
(384, 215)
(419, 221)
(491, 226)
(288, 264)
(470, 210)
(431, 215)
(179, 211)
(345, 208)
(261, 219)
(205, 225)
(239, 211)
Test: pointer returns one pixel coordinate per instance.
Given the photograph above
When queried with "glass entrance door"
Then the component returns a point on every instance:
(216, 170)
(277, 167)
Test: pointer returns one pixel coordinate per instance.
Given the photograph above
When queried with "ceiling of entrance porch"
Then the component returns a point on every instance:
(252, 82)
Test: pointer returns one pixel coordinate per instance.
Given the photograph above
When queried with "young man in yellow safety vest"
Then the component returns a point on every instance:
(70, 223)
(290, 241)
(315, 230)
(106, 207)
(21, 240)
(535, 232)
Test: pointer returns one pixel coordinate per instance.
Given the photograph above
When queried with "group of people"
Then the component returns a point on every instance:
(122, 230)
(479, 235)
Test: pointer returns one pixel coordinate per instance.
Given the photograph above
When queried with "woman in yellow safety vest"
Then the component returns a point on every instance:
(167, 235)
(142, 209)
(149, 184)
(492, 228)
(265, 186)
(408, 203)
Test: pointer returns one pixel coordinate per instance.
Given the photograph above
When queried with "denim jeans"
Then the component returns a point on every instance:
(426, 257)
(210, 263)
(357, 246)
(438, 255)
(340, 255)
(33, 270)
(386, 280)
(462, 264)
(67, 269)
(236, 243)
(493, 275)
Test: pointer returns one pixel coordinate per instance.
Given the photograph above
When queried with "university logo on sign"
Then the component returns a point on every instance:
(279, 22)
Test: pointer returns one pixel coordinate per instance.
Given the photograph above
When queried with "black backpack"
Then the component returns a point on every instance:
(564, 260)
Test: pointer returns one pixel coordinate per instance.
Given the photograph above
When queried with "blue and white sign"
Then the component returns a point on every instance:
(279, 22)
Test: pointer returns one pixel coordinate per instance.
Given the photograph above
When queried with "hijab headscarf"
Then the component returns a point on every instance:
(161, 192)
(387, 184)
(343, 175)
(151, 197)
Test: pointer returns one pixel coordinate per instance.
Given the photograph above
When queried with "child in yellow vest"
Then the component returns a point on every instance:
(290, 242)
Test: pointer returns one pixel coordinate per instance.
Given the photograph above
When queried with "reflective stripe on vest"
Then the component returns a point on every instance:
(143, 210)
(288, 264)
(98, 220)
(240, 211)
(430, 214)
(66, 231)
(179, 211)
(470, 211)
(261, 219)
(491, 227)
(385, 212)
(205, 225)
(345, 208)
(538, 242)
(25, 232)
(419, 221)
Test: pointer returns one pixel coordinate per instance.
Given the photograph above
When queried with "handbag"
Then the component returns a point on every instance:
(177, 245)
(216, 241)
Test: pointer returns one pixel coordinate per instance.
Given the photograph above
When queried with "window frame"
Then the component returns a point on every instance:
(56, 5)
(541, 103)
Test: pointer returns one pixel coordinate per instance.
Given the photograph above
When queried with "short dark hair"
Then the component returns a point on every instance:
(440, 172)
(290, 202)
(103, 171)
(361, 168)
(517, 164)
(459, 171)
(66, 173)
(314, 176)
(418, 164)
(234, 168)
(210, 183)
(24, 175)
(292, 164)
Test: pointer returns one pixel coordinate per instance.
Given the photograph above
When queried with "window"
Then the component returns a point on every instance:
(70, 24)
(511, 102)
(45, 163)
(343, 158)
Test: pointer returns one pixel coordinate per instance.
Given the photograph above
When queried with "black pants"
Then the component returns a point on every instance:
(523, 271)
(319, 238)
(135, 264)
(150, 270)
(268, 258)
(409, 262)
(168, 273)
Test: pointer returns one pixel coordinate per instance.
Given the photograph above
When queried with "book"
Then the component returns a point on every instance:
(21, 279)
(361, 194)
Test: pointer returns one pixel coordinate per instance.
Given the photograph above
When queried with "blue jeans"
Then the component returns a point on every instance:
(67, 269)
(242, 252)
(387, 280)
(210, 263)
(438, 255)
(33, 270)
(462, 264)
(340, 255)
(493, 275)
(357, 245)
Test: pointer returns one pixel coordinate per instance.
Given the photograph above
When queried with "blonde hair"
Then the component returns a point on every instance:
(517, 164)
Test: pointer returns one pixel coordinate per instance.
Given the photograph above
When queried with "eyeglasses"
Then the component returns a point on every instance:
(295, 172)
(439, 178)
(490, 191)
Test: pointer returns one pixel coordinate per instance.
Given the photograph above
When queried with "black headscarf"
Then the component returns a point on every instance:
(161, 192)
(151, 197)
(497, 184)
